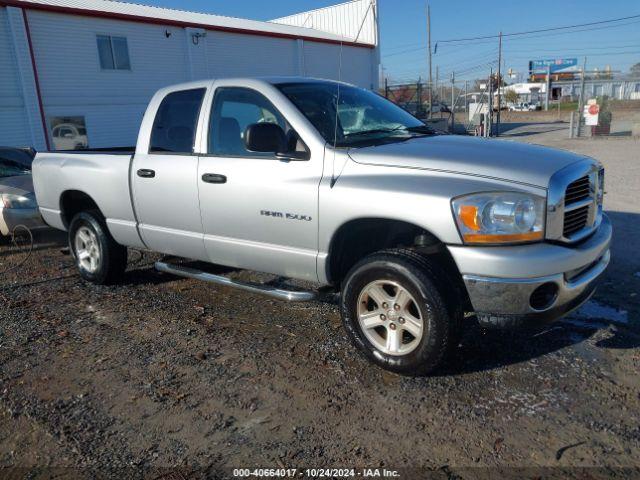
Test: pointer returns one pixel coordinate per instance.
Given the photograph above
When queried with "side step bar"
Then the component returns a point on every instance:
(289, 295)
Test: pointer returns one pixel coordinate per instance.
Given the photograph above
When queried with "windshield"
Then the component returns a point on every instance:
(364, 118)
(12, 169)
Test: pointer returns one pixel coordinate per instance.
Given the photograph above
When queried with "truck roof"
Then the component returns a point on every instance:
(272, 80)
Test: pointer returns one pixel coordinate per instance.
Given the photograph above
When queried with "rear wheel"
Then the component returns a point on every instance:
(99, 258)
(396, 310)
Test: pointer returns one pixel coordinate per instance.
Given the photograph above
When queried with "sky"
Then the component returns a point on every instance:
(403, 32)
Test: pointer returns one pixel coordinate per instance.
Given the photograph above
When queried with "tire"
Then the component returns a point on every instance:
(107, 260)
(428, 298)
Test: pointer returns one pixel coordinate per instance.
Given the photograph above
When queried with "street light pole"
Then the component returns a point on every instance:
(546, 97)
(453, 106)
(499, 84)
(581, 101)
(429, 48)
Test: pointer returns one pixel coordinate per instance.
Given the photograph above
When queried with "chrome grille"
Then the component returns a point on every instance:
(578, 190)
(574, 206)
(575, 220)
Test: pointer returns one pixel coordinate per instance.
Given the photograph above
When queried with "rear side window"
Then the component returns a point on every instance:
(174, 128)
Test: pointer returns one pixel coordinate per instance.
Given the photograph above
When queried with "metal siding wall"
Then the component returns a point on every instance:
(112, 101)
(322, 61)
(344, 20)
(112, 7)
(15, 129)
(238, 55)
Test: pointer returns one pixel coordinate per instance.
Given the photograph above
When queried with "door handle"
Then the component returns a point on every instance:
(146, 173)
(214, 178)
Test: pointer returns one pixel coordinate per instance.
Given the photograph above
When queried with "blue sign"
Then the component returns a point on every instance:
(558, 65)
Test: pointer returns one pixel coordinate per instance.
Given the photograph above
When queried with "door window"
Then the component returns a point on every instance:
(174, 127)
(234, 109)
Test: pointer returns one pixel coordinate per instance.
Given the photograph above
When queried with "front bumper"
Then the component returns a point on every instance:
(10, 218)
(532, 284)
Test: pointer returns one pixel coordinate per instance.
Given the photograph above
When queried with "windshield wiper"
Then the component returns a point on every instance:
(423, 129)
(373, 131)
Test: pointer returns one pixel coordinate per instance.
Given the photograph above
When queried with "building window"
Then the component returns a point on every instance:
(69, 133)
(113, 53)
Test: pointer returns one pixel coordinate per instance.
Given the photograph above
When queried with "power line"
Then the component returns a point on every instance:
(462, 46)
(484, 37)
(598, 54)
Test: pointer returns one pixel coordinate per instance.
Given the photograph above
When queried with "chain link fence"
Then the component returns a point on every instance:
(458, 107)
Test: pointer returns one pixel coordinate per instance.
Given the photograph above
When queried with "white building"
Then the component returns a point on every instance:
(527, 92)
(80, 73)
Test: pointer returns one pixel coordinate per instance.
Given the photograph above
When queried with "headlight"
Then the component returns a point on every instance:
(19, 201)
(500, 217)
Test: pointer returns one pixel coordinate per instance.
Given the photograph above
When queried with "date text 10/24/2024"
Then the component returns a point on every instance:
(316, 473)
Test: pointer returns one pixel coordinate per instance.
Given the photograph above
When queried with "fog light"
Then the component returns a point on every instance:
(544, 296)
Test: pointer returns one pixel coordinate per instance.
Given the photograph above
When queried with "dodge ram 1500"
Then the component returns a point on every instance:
(326, 182)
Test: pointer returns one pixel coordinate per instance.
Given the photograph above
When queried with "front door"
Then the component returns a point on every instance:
(165, 187)
(258, 211)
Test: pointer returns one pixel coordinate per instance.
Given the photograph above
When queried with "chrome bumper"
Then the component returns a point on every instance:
(502, 301)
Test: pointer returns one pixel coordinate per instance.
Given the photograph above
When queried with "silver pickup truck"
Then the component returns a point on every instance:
(325, 182)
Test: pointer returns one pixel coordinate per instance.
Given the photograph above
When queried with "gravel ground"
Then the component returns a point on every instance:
(166, 372)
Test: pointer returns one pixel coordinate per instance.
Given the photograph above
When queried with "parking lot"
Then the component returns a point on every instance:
(169, 372)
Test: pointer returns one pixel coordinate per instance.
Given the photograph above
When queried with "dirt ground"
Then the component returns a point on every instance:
(162, 373)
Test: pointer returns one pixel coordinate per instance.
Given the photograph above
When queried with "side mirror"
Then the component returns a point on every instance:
(265, 138)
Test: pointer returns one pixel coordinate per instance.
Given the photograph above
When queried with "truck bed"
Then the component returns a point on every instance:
(100, 175)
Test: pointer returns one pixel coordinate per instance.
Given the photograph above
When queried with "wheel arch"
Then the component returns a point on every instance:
(73, 202)
(359, 237)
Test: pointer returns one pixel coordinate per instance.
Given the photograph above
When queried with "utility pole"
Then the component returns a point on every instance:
(386, 87)
(429, 49)
(453, 102)
(437, 75)
(466, 102)
(489, 121)
(581, 101)
(499, 84)
(419, 107)
(546, 97)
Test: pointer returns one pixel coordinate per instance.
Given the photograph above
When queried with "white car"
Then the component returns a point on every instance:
(18, 205)
(69, 136)
(522, 107)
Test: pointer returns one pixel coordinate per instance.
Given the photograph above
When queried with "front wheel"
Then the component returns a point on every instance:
(394, 307)
(99, 258)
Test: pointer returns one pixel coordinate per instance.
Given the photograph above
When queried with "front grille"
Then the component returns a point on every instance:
(578, 190)
(575, 220)
(573, 202)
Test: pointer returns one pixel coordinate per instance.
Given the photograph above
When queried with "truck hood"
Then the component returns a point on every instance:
(499, 159)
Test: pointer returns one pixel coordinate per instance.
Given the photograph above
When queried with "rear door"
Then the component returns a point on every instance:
(258, 211)
(164, 177)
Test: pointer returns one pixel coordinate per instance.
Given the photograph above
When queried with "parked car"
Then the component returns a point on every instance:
(17, 198)
(522, 107)
(412, 229)
(69, 136)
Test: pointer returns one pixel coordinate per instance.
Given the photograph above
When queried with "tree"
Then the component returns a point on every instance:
(511, 96)
(635, 69)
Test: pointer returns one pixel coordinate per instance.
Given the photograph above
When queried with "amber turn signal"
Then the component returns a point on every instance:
(502, 238)
(469, 216)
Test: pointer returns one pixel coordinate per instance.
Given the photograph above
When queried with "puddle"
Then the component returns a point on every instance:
(595, 310)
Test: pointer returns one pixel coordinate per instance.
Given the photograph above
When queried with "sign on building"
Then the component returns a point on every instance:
(558, 65)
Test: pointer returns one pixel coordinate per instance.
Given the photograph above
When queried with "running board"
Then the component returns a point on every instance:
(289, 295)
